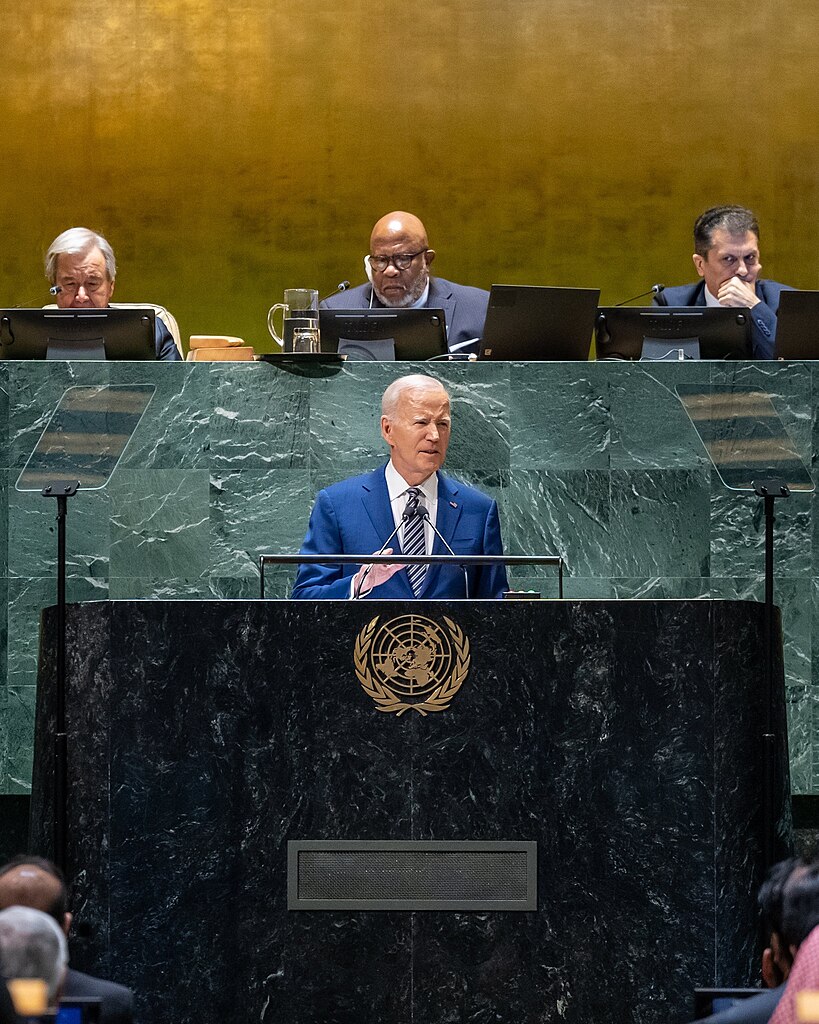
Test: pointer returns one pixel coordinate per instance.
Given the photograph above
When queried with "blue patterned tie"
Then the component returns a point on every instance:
(414, 543)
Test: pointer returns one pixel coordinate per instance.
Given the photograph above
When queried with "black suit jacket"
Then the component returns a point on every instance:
(763, 315)
(464, 307)
(7, 1014)
(116, 1001)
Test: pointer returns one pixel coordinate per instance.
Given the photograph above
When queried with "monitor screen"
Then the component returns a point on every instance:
(383, 334)
(662, 332)
(77, 333)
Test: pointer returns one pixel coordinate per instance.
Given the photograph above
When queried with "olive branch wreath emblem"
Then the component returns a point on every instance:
(386, 699)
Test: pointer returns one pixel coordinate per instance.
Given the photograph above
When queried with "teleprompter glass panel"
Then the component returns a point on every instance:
(86, 435)
(743, 435)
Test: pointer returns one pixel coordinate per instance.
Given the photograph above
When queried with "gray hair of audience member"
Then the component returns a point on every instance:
(76, 241)
(800, 907)
(412, 382)
(735, 220)
(32, 945)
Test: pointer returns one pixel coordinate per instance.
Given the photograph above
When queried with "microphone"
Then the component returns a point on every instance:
(655, 289)
(409, 512)
(55, 289)
(423, 512)
(342, 286)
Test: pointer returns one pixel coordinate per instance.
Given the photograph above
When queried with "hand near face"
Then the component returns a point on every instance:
(735, 292)
(377, 575)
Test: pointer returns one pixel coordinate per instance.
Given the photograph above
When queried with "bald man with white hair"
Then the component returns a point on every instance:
(32, 946)
(397, 266)
(407, 506)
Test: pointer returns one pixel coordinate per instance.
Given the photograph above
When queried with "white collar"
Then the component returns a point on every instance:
(397, 486)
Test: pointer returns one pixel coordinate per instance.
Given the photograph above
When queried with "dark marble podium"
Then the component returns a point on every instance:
(622, 737)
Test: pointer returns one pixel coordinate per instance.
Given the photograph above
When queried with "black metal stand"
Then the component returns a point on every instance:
(62, 492)
(769, 490)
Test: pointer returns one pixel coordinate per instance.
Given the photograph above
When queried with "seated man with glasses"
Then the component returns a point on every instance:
(81, 267)
(398, 269)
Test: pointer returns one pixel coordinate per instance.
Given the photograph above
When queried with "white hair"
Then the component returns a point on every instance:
(76, 242)
(32, 945)
(412, 382)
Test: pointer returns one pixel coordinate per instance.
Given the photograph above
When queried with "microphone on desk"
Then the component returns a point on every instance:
(423, 512)
(342, 286)
(655, 289)
(409, 512)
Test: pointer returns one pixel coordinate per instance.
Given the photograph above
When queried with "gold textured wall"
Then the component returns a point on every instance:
(230, 149)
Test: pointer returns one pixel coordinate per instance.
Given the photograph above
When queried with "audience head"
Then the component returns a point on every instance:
(399, 259)
(81, 264)
(800, 912)
(33, 946)
(726, 245)
(777, 958)
(35, 882)
(416, 424)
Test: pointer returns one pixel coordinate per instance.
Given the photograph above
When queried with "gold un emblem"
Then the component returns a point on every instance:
(411, 663)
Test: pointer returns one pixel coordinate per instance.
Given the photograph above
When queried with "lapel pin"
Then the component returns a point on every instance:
(454, 504)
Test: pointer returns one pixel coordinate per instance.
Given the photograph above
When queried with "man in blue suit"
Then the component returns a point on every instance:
(726, 255)
(398, 269)
(362, 514)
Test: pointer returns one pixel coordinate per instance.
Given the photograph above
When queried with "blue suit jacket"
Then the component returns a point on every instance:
(116, 1001)
(464, 307)
(763, 315)
(354, 517)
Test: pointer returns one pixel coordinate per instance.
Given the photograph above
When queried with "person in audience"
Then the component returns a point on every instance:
(777, 957)
(365, 513)
(33, 946)
(82, 271)
(7, 1014)
(36, 882)
(801, 931)
(726, 255)
(398, 270)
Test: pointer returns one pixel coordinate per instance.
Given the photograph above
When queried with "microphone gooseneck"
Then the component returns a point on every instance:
(655, 289)
(423, 512)
(55, 289)
(342, 286)
(411, 509)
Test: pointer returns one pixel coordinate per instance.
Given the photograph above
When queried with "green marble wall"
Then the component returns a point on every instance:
(594, 460)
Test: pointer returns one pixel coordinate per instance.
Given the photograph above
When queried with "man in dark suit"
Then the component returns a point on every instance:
(362, 514)
(398, 269)
(81, 267)
(777, 958)
(726, 255)
(37, 883)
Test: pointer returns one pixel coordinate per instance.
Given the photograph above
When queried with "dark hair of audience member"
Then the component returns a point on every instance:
(800, 913)
(735, 220)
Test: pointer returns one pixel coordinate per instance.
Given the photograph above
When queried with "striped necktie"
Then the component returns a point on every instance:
(414, 542)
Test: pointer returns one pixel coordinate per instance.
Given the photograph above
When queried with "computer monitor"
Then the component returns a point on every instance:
(663, 332)
(383, 334)
(77, 333)
(797, 325)
(534, 322)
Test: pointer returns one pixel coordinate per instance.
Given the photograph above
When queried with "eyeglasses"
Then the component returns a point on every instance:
(93, 284)
(400, 260)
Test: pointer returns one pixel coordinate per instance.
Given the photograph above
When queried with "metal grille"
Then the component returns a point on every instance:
(394, 875)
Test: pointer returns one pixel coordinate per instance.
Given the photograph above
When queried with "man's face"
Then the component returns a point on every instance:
(83, 279)
(729, 256)
(418, 433)
(396, 287)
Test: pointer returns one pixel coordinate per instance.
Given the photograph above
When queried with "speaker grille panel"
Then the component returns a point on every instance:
(395, 875)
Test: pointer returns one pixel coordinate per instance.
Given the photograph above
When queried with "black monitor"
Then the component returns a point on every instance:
(533, 322)
(77, 333)
(663, 332)
(797, 326)
(383, 334)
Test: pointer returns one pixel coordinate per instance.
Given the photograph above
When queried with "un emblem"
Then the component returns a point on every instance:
(411, 663)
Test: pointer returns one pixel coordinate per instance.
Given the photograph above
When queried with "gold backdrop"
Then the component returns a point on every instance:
(231, 149)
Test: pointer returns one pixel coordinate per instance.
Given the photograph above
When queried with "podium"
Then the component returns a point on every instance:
(257, 830)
